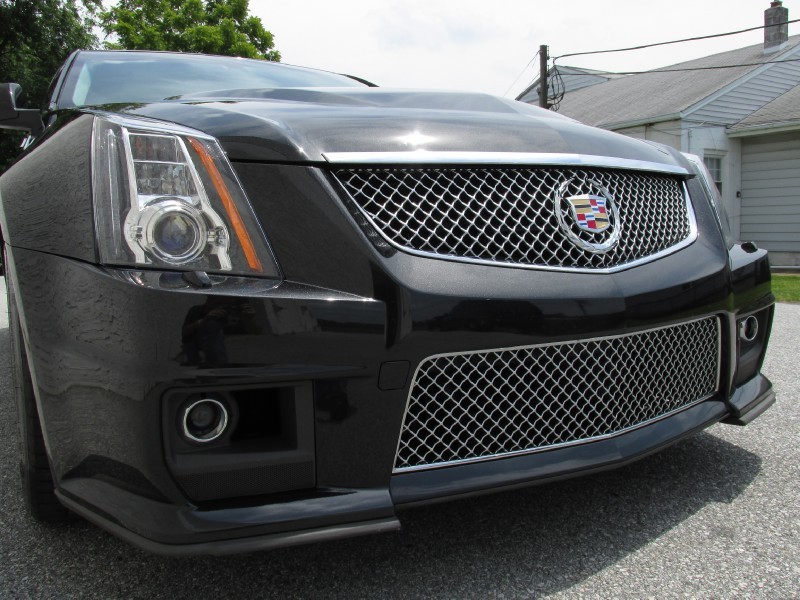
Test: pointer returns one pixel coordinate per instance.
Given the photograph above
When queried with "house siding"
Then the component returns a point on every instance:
(771, 192)
(704, 141)
(748, 96)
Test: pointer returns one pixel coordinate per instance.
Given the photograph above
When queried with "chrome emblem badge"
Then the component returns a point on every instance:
(590, 220)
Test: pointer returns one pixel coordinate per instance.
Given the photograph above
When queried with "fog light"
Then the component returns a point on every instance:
(748, 329)
(204, 420)
(753, 333)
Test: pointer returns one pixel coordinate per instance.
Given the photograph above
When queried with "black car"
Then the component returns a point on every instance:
(254, 305)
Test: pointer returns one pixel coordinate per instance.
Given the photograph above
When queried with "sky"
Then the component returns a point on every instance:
(489, 45)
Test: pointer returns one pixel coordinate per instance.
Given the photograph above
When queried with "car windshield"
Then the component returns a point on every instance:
(97, 78)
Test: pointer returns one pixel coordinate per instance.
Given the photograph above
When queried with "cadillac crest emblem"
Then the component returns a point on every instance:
(589, 212)
(590, 218)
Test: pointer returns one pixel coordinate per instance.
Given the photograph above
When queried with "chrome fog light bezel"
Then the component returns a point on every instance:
(212, 434)
(748, 329)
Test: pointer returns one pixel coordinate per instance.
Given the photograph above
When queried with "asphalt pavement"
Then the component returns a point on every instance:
(715, 516)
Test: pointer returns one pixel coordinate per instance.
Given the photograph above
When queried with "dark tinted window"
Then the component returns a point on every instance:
(112, 77)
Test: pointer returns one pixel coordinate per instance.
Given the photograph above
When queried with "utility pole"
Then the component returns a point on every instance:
(543, 76)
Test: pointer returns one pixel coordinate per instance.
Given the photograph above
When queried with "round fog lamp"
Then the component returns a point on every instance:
(204, 420)
(748, 329)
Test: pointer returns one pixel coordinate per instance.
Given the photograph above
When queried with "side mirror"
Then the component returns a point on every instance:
(12, 117)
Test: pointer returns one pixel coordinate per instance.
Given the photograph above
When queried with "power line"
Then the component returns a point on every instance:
(556, 81)
(655, 71)
(525, 68)
(692, 39)
(644, 46)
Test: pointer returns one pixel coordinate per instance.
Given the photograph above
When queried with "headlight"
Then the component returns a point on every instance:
(701, 171)
(166, 196)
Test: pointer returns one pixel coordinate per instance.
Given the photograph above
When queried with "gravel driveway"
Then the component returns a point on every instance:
(715, 516)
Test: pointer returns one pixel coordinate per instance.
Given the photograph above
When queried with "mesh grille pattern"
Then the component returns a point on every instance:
(482, 404)
(508, 215)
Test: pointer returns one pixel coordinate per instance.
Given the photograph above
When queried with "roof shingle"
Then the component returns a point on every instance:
(663, 92)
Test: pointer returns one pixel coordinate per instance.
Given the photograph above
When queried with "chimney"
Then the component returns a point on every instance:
(776, 27)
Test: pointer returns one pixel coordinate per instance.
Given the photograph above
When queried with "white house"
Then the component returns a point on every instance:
(739, 110)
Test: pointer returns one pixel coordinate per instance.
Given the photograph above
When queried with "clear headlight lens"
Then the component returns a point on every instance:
(166, 196)
(701, 171)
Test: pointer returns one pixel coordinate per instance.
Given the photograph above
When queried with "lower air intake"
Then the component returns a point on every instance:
(479, 405)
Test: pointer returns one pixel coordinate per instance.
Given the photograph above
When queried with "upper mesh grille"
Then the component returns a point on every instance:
(475, 405)
(508, 215)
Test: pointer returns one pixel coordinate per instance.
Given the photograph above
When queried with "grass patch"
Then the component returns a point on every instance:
(786, 288)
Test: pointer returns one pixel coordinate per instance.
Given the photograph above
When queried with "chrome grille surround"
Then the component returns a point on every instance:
(508, 214)
(473, 406)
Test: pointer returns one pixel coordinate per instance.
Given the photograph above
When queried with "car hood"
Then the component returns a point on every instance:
(306, 125)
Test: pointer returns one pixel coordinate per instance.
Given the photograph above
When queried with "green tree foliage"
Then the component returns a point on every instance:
(212, 27)
(36, 36)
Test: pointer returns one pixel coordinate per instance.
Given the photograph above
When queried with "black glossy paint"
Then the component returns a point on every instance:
(346, 327)
(108, 355)
(46, 200)
(301, 129)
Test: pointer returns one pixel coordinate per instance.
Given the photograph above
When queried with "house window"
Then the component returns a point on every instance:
(714, 166)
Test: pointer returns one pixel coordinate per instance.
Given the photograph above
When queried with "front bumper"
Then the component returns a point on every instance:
(108, 360)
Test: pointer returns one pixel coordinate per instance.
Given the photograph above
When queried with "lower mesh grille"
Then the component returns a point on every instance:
(477, 405)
